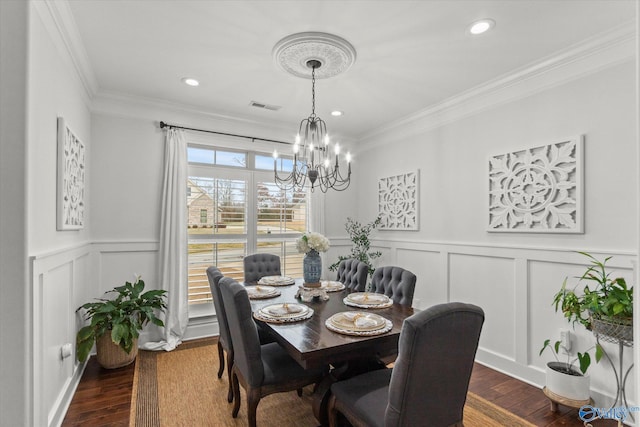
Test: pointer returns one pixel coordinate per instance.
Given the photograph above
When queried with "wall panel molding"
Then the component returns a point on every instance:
(518, 332)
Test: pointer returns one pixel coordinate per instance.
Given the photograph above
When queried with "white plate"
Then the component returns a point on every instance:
(276, 281)
(357, 321)
(284, 319)
(262, 291)
(368, 298)
(331, 285)
(284, 310)
(386, 328)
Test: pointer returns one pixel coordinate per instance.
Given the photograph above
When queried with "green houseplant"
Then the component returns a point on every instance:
(604, 305)
(115, 323)
(566, 379)
(361, 249)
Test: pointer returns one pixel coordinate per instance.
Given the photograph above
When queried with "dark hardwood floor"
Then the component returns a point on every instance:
(103, 398)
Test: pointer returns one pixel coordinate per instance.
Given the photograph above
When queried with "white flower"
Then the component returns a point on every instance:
(312, 241)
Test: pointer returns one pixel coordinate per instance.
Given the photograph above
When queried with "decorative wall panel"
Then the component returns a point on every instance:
(398, 202)
(537, 190)
(71, 171)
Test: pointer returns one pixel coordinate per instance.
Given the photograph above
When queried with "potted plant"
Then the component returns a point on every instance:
(361, 249)
(565, 378)
(116, 323)
(604, 306)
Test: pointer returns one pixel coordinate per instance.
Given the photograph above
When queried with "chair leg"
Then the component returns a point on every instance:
(253, 398)
(332, 412)
(299, 392)
(221, 358)
(229, 369)
(236, 395)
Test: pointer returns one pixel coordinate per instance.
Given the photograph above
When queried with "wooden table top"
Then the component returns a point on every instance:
(311, 344)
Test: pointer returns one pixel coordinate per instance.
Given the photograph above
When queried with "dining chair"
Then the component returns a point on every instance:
(224, 339)
(257, 266)
(430, 380)
(353, 274)
(395, 282)
(260, 369)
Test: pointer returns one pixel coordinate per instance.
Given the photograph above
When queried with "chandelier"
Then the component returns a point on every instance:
(316, 159)
(313, 157)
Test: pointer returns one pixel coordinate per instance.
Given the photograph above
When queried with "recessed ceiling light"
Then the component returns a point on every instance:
(190, 81)
(481, 26)
(337, 113)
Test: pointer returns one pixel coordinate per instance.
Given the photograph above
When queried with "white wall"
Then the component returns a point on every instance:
(15, 324)
(62, 271)
(513, 276)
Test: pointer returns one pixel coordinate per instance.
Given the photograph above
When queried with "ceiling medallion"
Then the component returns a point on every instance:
(335, 54)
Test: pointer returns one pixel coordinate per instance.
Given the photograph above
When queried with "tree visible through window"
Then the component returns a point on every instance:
(233, 211)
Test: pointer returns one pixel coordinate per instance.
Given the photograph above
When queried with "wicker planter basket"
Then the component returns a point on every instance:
(111, 356)
(613, 329)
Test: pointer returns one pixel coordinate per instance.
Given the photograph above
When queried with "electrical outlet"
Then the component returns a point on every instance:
(565, 340)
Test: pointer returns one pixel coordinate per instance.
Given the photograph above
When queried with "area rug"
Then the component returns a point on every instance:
(181, 388)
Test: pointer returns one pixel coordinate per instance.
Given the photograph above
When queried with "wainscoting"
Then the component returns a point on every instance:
(514, 285)
(62, 281)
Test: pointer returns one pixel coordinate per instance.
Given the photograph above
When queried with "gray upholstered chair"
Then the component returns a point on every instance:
(257, 266)
(224, 340)
(430, 379)
(395, 282)
(353, 274)
(260, 369)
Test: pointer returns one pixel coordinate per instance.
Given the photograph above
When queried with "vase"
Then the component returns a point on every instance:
(312, 267)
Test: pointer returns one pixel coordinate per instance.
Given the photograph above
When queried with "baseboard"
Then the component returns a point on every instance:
(62, 406)
(201, 327)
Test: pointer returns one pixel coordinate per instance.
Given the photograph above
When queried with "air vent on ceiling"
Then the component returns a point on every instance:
(265, 106)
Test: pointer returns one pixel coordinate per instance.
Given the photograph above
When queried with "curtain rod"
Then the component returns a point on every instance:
(252, 138)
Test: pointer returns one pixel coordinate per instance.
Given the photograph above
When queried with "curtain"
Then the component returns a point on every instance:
(172, 254)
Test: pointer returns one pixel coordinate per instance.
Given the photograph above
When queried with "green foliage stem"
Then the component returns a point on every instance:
(600, 297)
(361, 249)
(583, 359)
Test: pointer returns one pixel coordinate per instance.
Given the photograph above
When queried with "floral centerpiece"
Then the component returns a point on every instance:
(311, 244)
(311, 241)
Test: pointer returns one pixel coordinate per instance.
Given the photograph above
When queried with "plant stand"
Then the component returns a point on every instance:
(559, 400)
(621, 334)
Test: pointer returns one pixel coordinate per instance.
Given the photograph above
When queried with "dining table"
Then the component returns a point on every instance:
(311, 343)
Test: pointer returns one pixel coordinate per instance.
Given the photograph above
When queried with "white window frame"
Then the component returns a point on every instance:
(252, 176)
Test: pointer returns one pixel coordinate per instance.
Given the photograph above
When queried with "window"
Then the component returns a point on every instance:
(235, 209)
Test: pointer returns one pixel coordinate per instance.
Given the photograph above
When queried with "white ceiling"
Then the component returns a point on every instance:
(410, 54)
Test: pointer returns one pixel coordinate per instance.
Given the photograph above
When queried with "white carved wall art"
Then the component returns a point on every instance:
(70, 186)
(398, 202)
(538, 190)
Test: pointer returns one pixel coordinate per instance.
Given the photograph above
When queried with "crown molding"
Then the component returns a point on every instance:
(591, 55)
(65, 26)
(154, 109)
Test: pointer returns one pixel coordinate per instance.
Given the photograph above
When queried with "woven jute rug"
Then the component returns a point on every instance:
(181, 388)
